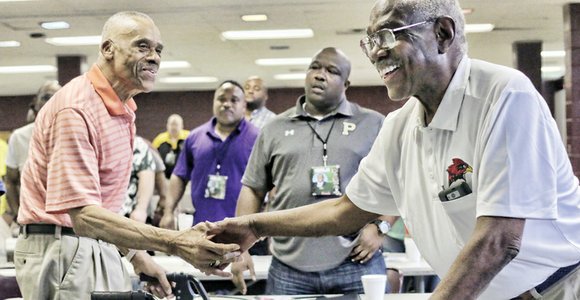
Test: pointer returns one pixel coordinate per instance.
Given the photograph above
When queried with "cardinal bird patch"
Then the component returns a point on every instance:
(458, 170)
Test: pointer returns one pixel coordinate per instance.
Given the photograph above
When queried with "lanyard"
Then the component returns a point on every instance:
(220, 150)
(324, 142)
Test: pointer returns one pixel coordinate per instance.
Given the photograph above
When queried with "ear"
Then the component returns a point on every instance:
(444, 33)
(346, 84)
(107, 49)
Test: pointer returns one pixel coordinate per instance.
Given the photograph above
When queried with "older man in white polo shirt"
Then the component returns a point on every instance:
(473, 163)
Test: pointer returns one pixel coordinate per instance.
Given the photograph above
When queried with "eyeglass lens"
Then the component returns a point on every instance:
(381, 38)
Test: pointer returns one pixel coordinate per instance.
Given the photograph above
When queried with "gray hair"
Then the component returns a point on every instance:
(433, 9)
(119, 18)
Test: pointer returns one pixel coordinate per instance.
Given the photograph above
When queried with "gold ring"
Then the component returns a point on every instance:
(215, 263)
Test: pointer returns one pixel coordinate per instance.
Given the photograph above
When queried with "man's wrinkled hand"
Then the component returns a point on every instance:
(195, 247)
(370, 241)
(238, 269)
(143, 263)
(234, 230)
(168, 221)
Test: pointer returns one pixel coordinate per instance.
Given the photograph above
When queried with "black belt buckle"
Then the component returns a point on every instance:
(46, 229)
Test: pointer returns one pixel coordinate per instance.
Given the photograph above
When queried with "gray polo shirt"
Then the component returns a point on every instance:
(283, 156)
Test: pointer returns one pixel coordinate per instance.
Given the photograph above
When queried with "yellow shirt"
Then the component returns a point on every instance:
(165, 138)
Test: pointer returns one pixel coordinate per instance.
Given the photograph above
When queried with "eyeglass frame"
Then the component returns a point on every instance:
(370, 39)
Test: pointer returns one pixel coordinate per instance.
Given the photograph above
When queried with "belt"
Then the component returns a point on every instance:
(536, 293)
(45, 229)
(559, 274)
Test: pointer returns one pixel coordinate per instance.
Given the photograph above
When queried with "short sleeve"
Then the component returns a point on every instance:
(369, 189)
(258, 170)
(518, 169)
(142, 158)
(185, 163)
(13, 157)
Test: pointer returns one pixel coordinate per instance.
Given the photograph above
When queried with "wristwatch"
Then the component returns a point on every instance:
(383, 226)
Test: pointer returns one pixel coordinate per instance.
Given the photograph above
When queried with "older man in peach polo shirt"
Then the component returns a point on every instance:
(75, 180)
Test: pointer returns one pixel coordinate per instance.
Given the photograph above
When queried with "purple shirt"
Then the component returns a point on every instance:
(201, 153)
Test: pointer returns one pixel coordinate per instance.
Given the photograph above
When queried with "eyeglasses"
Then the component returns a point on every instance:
(384, 38)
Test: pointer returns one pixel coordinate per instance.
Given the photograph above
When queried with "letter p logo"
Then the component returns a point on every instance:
(347, 128)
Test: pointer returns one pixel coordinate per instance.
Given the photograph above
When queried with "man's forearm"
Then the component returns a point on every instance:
(12, 190)
(176, 190)
(98, 223)
(161, 185)
(145, 189)
(249, 201)
(494, 243)
(330, 217)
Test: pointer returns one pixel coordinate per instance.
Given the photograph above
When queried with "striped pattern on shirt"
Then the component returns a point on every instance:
(80, 152)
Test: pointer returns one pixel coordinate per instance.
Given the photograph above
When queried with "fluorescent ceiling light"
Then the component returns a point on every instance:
(553, 54)
(290, 76)
(552, 69)
(255, 18)
(174, 64)
(283, 61)
(7, 44)
(268, 34)
(475, 28)
(191, 79)
(74, 40)
(55, 25)
(27, 69)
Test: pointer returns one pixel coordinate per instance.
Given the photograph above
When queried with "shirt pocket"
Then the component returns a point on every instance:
(461, 214)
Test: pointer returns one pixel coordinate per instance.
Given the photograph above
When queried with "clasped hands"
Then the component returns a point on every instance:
(211, 247)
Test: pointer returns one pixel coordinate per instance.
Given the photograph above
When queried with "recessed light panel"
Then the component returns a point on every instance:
(27, 69)
(55, 25)
(74, 40)
(268, 34)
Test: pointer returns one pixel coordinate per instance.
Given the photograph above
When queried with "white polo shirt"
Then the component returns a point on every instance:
(495, 131)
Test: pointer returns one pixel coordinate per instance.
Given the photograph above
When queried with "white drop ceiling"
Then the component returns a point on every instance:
(191, 32)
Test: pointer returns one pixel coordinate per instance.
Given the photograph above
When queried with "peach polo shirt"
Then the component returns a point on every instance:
(80, 152)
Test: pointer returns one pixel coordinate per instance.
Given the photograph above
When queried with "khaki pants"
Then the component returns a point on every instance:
(54, 266)
(568, 288)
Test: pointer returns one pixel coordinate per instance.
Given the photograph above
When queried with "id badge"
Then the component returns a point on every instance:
(170, 158)
(216, 187)
(325, 181)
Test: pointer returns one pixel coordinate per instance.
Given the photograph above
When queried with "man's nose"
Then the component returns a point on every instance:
(321, 75)
(377, 53)
(153, 55)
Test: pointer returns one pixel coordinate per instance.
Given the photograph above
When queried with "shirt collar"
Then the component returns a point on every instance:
(447, 114)
(344, 108)
(114, 105)
(241, 127)
(257, 112)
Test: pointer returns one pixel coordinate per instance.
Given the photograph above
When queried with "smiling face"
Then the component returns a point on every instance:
(229, 105)
(405, 69)
(424, 57)
(327, 80)
(132, 46)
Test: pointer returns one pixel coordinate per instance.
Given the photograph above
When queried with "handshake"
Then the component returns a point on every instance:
(211, 247)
